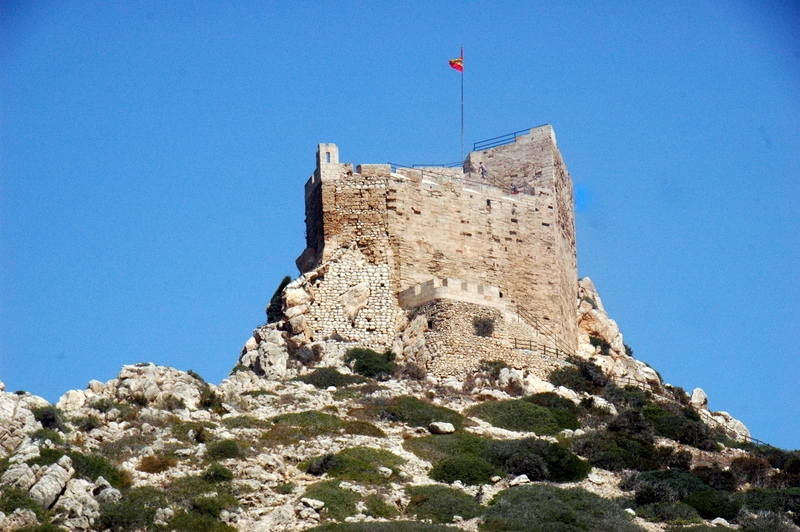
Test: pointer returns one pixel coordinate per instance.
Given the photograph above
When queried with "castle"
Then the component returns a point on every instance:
(490, 242)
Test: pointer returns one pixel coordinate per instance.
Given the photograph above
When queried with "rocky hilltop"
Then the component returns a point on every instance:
(437, 366)
(299, 437)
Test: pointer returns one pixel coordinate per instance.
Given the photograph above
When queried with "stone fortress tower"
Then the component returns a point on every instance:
(456, 245)
(448, 267)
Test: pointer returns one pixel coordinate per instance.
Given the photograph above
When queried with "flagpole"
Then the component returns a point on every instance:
(462, 104)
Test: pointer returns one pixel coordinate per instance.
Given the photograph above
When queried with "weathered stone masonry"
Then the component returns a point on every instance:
(390, 231)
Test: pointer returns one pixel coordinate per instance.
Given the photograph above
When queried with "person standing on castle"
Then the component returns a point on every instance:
(483, 169)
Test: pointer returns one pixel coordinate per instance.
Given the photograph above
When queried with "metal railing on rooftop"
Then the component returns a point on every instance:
(508, 138)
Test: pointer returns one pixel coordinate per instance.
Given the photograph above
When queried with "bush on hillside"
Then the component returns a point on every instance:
(339, 502)
(325, 377)
(50, 417)
(391, 526)
(673, 513)
(220, 450)
(360, 464)
(750, 469)
(275, 306)
(469, 469)
(616, 451)
(626, 397)
(516, 414)
(542, 507)
(217, 473)
(715, 477)
(769, 500)
(670, 485)
(135, 511)
(440, 503)
(711, 504)
(412, 411)
(540, 460)
(370, 363)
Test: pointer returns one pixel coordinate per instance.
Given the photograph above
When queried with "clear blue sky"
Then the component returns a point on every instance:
(153, 156)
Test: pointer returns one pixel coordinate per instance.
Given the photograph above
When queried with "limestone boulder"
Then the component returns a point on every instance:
(699, 399)
(53, 482)
(17, 420)
(271, 358)
(72, 401)
(77, 505)
(293, 297)
(440, 427)
(155, 383)
(19, 475)
(354, 300)
(19, 518)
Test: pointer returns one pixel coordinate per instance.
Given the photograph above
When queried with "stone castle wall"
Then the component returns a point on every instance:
(512, 230)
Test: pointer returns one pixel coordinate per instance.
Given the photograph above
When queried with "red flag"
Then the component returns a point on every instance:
(458, 62)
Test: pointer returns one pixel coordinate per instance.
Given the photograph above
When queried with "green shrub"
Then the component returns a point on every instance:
(217, 473)
(683, 426)
(768, 500)
(492, 367)
(439, 447)
(359, 464)
(626, 397)
(223, 449)
(12, 498)
(275, 306)
(285, 488)
(377, 507)
(46, 457)
(716, 478)
(339, 502)
(192, 431)
(103, 405)
(766, 522)
(212, 505)
(540, 460)
(183, 490)
(547, 508)
(440, 503)
(751, 469)
(469, 469)
(172, 403)
(571, 378)
(94, 465)
(325, 377)
(370, 363)
(483, 326)
(392, 526)
(711, 504)
(196, 376)
(605, 347)
(155, 463)
(194, 522)
(44, 527)
(673, 513)
(211, 401)
(616, 451)
(47, 434)
(135, 511)
(516, 414)
(50, 417)
(670, 485)
(245, 422)
(298, 426)
(86, 423)
(363, 428)
(632, 423)
(414, 412)
(694, 528)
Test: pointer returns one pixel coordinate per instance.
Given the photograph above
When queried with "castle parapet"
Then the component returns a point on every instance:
(451, 289)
